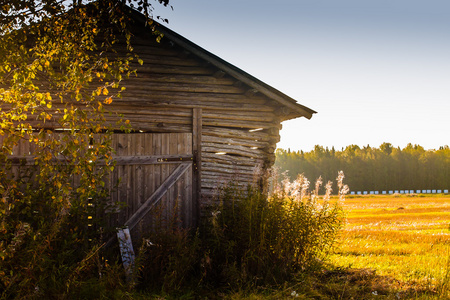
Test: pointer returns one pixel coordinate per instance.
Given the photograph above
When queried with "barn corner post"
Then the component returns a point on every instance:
(197, 165)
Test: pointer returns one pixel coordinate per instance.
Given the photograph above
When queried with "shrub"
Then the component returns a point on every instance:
(168, 259)
(248, 239)
(257, 239)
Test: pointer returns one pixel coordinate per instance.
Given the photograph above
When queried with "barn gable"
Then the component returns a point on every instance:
(288, 108)
(240, 115)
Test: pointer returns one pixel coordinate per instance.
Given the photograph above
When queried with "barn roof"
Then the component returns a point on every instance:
(288, 105)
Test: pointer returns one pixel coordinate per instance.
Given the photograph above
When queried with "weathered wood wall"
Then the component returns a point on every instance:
(240, 128)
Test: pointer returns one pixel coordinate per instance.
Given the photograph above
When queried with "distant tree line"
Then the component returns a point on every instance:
(370, 168)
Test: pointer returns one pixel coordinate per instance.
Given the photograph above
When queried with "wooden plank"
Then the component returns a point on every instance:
(180, 195)
(130, 200)
(122, 175)
(171, 193)
(151, 86)
(261, 135)
(154, 111)
(208, 156)
(227, 176)
(234, 151)
(149, 176)
(168, 69)
(190, 100)
(258, 103)
(121, 160)
(138, 189)
(142, 117)
(126, 251)
(244, 124)
(113, 219)
(151, 160)
(178, 78)
(188, 188)
(215, 182)
(147, 47)
(174, 61)
(250, 122)
(178, 200)
(235, 141)
(158, 99)
(156, 197)
(165, 172)
(240, 115)
(197, 124)
(230, 169)
(159, 127)
(157, 145)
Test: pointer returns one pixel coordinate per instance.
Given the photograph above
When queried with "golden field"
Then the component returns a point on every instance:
(403, 237)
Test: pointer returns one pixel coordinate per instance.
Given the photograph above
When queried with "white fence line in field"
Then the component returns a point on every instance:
(399, 192)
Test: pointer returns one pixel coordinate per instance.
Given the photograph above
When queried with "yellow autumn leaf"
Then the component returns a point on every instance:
(105, 91)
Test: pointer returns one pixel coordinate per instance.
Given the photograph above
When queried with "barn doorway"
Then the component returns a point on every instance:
(152, 181)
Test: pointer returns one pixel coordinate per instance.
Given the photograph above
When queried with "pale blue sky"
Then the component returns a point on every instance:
(375, 71)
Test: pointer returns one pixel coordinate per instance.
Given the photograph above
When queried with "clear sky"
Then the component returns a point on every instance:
(375, 70)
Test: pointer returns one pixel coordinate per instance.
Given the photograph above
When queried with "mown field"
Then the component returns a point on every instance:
(402, 238)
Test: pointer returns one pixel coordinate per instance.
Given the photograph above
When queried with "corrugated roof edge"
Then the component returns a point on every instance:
(230, 69)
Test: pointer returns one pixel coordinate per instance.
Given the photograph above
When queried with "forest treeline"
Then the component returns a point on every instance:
(370, 168)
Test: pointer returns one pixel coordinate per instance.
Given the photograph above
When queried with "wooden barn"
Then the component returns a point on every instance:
(198, 122)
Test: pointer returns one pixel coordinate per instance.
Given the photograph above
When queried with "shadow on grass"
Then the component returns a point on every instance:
(346, 284)
(355, 284)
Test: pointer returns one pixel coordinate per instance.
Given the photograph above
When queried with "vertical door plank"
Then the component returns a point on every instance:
(197, 167)
(149, 180)
(122, 174)
(130, 177)
(164, 175)
(157, 145)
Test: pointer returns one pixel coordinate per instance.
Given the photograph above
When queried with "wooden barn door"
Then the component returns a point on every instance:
(152, 181)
